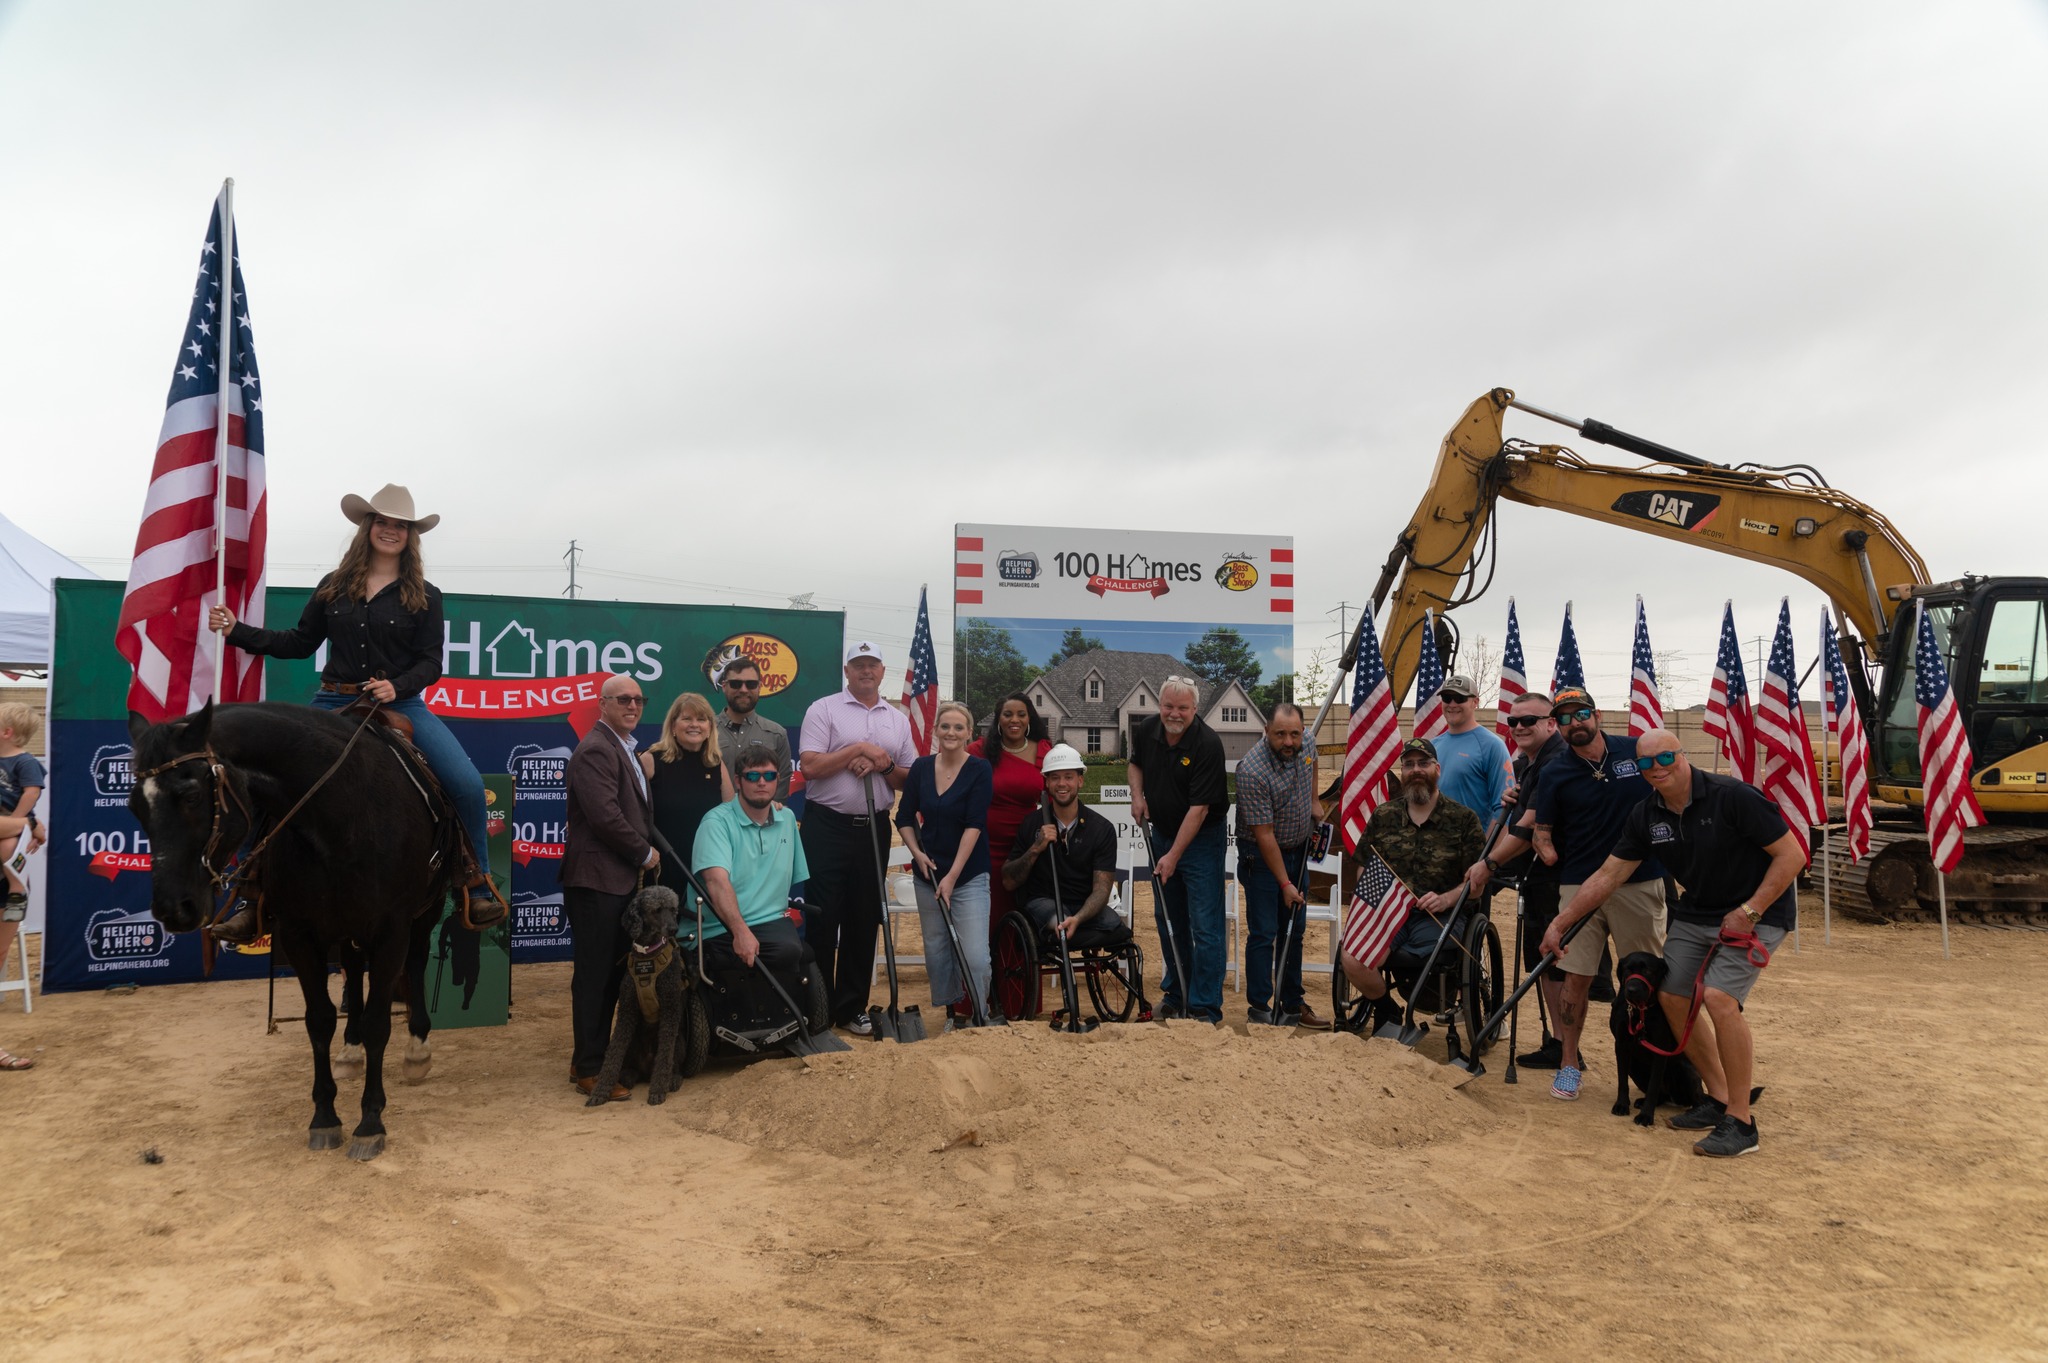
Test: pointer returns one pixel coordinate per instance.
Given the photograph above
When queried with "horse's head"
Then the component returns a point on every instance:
(178, 803)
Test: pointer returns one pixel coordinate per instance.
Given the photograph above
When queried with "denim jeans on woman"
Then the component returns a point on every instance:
(970, 924)
(444, 754)
(1193, 903)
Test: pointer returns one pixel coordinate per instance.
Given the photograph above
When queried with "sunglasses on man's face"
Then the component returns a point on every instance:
(1525, 721)
(743, 684)
(755, 777)
(1661, 759)
(1452, 698)
(628, 700)
(1573, 716)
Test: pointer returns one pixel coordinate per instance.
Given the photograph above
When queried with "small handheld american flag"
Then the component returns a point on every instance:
(1852, 749)
(1645, 706)
(1514, 673)
(1429, 683)
(1378, 908)
(1729, 719)
(921, 680)
(1945, 758)
(1569, 671)
(1374, 739)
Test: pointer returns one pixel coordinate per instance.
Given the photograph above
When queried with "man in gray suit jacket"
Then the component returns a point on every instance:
(606, 850)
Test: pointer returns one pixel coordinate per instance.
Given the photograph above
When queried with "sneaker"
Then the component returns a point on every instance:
(1730, 1138)
(1548, 1056)
(1703, 1116)
(861, 1025)
(1565, 1088)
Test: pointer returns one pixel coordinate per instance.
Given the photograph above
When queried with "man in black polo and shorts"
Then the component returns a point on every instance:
(1731, 851)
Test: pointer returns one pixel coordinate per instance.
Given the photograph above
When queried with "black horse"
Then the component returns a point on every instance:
(351, 873)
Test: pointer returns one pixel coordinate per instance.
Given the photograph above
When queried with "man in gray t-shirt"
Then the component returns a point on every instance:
(741, 724)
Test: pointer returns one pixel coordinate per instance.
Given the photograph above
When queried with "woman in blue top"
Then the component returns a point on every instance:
(943, 818)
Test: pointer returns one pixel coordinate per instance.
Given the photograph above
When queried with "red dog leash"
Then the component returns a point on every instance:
(1746, 941)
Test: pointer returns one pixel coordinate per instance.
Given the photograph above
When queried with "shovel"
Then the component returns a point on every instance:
(977, 1006)
(1180, 965)
(1492, 1027)
(1273, 1015)
(1059, 923)
(903, 1025)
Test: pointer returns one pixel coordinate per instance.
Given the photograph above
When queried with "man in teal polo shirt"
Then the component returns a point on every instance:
(748, 854)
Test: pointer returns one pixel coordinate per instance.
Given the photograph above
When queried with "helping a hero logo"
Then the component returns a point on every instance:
(539, 916)
(113, 774)
(1015, 565)
(118, 937)
(1237, 575)
(776, 659)
(539, 773)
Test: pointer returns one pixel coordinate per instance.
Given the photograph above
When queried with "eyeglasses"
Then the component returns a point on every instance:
(1661, 759)
(628, 700)
(754, 777)
(1573, 716)
(1525, 721)
(734, 683)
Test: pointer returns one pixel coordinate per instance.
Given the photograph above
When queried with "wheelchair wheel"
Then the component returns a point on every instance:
(1482, 982)
(1115, 982)
(694, 1046)
(1013, 959)
(817, 1003)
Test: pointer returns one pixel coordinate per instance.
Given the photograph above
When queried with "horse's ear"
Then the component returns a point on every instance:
(138, 725)
(199, 726)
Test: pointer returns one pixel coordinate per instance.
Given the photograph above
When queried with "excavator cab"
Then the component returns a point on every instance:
(1993, 634)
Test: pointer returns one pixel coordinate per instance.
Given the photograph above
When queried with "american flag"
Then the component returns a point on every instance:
(162, 631)
(1730, 721)
(1514, 676)
(921, 681)
(1378, 909)
(1374, 740)
(1784, 750)
(1645, 706)
(1429, 683)
(1852, 749)
(1945, 758)
(1568, 671)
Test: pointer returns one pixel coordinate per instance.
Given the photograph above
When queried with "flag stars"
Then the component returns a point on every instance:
(186, 371)
(205, 327)
(211, 249)
(196, 349)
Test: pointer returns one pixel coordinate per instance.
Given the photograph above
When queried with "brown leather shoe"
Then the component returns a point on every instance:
(1311, 1019)
(240, 930)
(587, 1085)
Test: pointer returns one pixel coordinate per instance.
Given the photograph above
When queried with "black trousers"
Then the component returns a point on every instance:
(598, 947)
(843, 902)
(782, 951)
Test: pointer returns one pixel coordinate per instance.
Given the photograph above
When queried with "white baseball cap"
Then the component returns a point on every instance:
(863, 649)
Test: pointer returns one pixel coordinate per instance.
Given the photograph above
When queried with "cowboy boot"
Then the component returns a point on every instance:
(240, 928)
(479, 911)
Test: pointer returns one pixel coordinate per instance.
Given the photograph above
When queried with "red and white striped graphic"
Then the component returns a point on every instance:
(1945, 757)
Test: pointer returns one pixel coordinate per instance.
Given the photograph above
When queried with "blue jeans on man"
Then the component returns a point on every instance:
(444, 753)
(1262, 920)
(1193, 904)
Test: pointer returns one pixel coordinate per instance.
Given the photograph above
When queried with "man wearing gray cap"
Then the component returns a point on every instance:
(1475, 762)
(856, 751)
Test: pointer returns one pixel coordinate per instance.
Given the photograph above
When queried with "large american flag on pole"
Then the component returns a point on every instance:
(1945, 759)
(1514, 673)
(1374, 740)
(1429, 683)
(921, 680)
(1784, 750)
(171, 583)
(1378, 909)
(1729, 720)
(1568, 670)
(1645, 705)
(1852, 749)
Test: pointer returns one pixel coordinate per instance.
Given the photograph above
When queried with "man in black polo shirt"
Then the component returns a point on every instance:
(1071, 839)
(1176, 776)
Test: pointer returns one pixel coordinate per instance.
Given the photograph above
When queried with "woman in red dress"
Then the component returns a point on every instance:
(1015, 745)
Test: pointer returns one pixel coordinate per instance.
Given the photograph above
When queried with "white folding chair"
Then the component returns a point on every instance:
(1331, 913)
(902, 902)
(24, 985)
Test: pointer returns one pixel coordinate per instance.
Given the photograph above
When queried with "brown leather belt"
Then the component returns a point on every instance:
(343, 688)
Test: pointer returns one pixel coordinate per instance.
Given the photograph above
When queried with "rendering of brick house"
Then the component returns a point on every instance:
(1091, 699)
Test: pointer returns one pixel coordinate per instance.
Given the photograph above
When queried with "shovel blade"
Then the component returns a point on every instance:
(904, 1025)
(826, 1042)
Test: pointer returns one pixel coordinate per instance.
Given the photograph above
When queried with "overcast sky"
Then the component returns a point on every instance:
(755, 299)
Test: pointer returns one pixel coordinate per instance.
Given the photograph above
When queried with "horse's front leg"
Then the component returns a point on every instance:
(386, 973)
(309, 964)
(419, 1051)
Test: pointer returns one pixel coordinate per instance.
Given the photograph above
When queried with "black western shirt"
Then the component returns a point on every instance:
(1179, 775)
(365, 639)
(1090, 845)
(1714, 848)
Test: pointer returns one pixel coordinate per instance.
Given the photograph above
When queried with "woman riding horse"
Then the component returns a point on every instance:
(381, 621)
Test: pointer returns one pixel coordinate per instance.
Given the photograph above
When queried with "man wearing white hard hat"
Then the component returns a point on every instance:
(1065, 859)
(856, 749)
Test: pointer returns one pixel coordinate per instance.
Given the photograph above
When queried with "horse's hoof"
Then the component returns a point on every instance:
(351, 1058)
(418, 1060)
(324, 1138)
(366, 1147)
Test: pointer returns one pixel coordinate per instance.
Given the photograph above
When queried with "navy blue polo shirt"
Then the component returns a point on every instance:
(1585, 804)
(1714, 847)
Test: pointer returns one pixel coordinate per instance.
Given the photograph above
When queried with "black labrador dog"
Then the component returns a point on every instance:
(651, 1001)
(1637, 1018)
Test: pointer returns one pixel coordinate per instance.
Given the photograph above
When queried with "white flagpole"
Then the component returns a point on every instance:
(1941, 879)
(220, 441)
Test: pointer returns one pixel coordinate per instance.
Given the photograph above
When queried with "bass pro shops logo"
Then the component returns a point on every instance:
(113, 774)
(776, 659)
(539, 773)
(119, 938)
(1237, 575)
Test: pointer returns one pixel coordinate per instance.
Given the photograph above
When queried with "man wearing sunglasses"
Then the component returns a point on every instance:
(748, 855)
(1729, 847)
(1582, 800)
(1474, 760)
(604, 852)
(741, 723)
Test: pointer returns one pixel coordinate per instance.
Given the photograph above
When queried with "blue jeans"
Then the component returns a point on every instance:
(1192, 902)
(970, 921)
(1262, 921)
(444, 754)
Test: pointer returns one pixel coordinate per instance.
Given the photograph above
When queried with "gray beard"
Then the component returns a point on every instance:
(1418, 794)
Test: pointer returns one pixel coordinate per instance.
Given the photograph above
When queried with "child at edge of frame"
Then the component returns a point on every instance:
(21, 785)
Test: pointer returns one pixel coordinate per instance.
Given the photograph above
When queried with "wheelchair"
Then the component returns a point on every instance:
(1460, 981)
(732, 1011)
(1109, 966)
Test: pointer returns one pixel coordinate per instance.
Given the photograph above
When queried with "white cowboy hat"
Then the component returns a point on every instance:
(392, 501)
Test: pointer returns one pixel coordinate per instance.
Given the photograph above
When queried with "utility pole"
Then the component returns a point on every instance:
(1343, 613)
(572, 556)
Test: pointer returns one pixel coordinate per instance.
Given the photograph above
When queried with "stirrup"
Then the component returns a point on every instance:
(476, 916)
(240, 928)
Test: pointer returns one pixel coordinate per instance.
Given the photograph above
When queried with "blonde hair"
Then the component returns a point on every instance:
(696, 707)
(350, 580)
(961, 706)
(22, 719)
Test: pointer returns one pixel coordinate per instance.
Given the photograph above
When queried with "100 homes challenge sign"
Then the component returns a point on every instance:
(520, 684)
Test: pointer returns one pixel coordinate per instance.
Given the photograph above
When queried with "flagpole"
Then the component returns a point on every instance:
(1827, 825)
(1941, 880)
(220, 439)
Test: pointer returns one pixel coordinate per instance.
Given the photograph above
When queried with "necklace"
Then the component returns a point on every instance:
(1017, 749)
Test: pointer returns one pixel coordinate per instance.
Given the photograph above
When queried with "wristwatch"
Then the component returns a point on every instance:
(1491, 865)
(1751, 914)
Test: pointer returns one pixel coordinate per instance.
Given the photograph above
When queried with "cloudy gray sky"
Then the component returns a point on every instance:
(606, 272)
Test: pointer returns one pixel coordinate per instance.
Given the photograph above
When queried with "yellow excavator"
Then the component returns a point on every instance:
(1993, 630)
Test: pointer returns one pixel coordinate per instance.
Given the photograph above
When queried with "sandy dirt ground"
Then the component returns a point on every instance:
(1166, 1191)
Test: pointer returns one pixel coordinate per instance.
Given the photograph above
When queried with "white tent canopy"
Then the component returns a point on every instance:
(26, 567)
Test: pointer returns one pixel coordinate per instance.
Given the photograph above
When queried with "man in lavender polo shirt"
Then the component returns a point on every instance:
(851, 739)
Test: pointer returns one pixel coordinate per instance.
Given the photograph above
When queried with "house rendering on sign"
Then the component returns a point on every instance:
(1091, 699)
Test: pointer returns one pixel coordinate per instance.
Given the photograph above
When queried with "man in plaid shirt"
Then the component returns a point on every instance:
(1276, 816)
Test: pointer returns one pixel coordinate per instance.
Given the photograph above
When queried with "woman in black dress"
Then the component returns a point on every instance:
(685, 780)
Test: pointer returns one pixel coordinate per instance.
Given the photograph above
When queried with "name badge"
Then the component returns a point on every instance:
(1625, 767)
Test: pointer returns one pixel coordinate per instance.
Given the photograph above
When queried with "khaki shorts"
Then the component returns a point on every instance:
(1633, 916)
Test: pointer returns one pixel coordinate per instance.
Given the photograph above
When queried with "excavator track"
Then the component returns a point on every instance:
(2001, 882)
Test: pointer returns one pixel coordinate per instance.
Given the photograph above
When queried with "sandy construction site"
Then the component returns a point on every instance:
(1147, 1191)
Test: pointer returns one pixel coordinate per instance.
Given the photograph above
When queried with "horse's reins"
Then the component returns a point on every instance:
(1747, 942)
